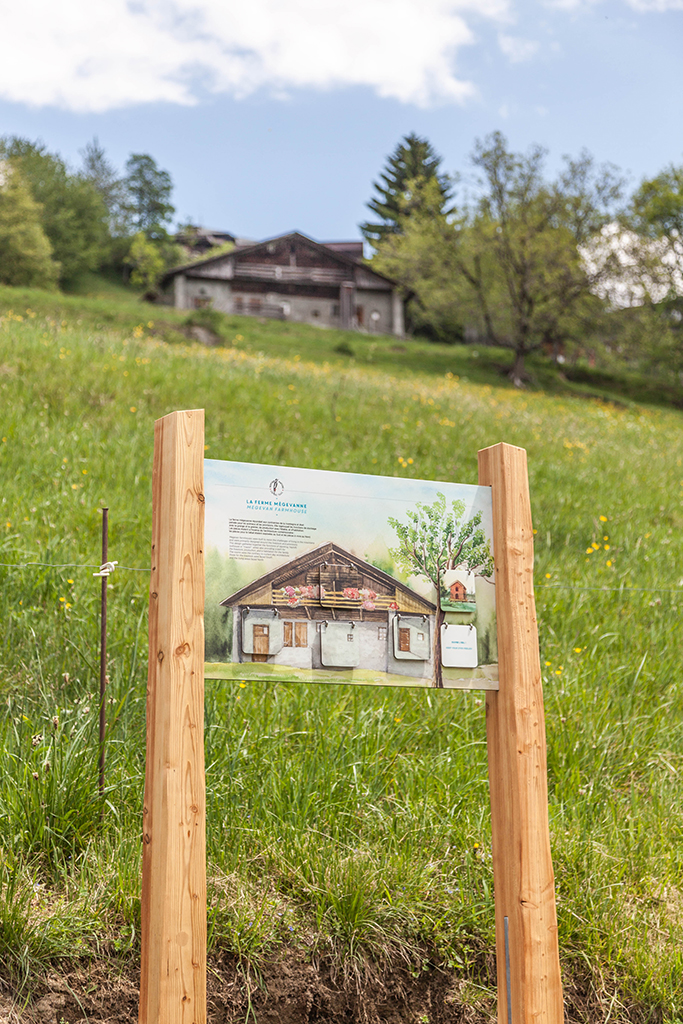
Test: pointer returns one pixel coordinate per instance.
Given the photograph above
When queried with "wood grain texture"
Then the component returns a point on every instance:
(173, 976)
(522, 867)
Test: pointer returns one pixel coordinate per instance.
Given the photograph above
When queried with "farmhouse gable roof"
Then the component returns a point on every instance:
(329, 553)
(345, 264)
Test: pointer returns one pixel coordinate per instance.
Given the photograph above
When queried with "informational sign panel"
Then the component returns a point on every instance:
(340, 578)
(318, 576)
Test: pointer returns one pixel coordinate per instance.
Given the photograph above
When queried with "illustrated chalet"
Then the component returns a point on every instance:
(292, 278)
(328, 609)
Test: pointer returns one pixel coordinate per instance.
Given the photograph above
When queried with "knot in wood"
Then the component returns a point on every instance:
(147, 837)
(201, 498)
(160, 656)
(182, 649)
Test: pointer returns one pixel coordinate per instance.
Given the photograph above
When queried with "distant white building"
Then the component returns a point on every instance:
(630, 270)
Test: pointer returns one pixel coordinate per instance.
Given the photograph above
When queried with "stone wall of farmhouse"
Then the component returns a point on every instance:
(375, 648)
(214, 292)
(373, 310)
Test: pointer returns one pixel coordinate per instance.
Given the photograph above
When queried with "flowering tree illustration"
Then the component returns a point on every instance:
(436, 539)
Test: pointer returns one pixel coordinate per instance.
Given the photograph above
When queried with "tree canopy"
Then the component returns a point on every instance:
(657, 214)
(103, 176)
(400, 188)
(507, 265)
(148, 191)
(73, 216)
(25, 251)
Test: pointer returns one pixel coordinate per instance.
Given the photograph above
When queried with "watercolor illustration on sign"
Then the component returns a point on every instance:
(318, 576)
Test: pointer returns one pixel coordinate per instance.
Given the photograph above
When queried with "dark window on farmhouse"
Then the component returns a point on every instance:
(404, 640)
(288, 642)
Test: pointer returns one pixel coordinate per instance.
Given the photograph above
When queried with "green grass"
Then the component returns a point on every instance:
(350, 823)
(100, 304)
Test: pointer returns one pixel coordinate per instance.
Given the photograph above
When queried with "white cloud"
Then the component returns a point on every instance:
(96, 55)
(517, 49)
(641, 6)
(657, 6)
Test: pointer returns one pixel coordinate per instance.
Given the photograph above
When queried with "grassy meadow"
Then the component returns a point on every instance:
(348, 824)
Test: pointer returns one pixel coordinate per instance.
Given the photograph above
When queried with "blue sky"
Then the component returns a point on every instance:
(277, 114)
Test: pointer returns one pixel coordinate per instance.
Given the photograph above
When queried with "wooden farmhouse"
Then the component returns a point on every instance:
(328, 609)
(292, 278)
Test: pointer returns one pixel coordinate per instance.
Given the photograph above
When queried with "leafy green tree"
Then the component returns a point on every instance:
(435, 540)
(657, 215)
(146, 263)
(657, 205)
(533, 231)
(73, 216)
(424, 258)
(509, 265)
(148, 191)
(399, 190)
(25, 251)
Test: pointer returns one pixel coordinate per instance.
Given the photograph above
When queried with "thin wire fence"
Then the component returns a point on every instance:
(538, 586)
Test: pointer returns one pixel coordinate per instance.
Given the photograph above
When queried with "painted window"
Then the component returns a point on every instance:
(411, 637)
(381, 632)
(288, 639)
(301, 634)
(338, 649)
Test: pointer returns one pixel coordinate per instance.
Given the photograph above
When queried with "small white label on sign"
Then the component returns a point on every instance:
(458, 646)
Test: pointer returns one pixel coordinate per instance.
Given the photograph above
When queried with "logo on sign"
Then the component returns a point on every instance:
(276, 487)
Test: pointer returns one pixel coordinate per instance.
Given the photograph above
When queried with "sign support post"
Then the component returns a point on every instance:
(527, 954)
(173, 970)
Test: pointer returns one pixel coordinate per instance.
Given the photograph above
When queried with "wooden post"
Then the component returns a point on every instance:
(529, 984)
(173, 976)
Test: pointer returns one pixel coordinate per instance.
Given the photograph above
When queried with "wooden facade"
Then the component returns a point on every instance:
(291, 278)
(328, 609)
(329, 582)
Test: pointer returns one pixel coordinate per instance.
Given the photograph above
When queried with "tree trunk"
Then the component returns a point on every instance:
(517, 371)
(438, 673)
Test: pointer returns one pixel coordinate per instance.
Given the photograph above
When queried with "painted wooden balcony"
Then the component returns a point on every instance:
(331, 599)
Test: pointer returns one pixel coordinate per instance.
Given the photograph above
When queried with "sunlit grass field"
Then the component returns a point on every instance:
(351, 823)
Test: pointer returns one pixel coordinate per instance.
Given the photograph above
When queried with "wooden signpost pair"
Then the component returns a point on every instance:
(173, 978)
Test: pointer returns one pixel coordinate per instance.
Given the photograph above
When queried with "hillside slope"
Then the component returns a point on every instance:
(348, 831)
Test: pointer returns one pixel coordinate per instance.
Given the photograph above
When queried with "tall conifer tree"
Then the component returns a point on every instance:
(413, 163)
